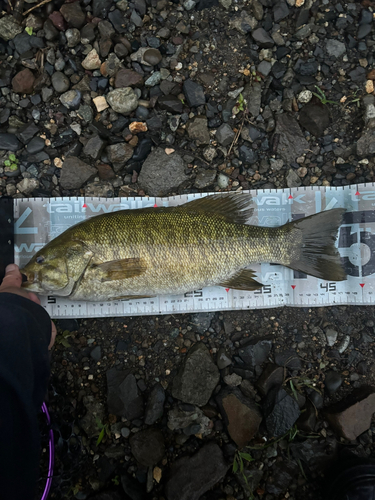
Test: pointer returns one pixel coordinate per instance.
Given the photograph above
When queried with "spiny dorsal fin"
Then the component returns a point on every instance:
(235, 207)
(121, 269)
(243, 280)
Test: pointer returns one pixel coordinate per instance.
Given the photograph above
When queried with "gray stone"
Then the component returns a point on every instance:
(85, 113)
(223, 359)
(154, 79)
(280, 11)
(73, 37)
(119, 154)
(256, 351)
(35, 145)
(162, 173)
(60, 82)
(123, 100)
(9, 28)
(27, 186)
(191, 477)
(201, 321)
(190, 419)
(71, 99)
(247, 155)
(155, 404)
(95, 413)
(9, 142)
(291, 141)
(197, 377)
(75, 173)
(222, 181)
(281, 477)
(197, 130)
(241, 415)
(136, 19)
(123, 396)
(225, 134)
(100, 189)
(194, 93)
(94, 147)
(262, 38)
(255, 99)
(292, 179)
(265, 68)
(314, 118)
(205, 178)
(244, 23)
(148, 446)
(96, 353)
(152, 56)
(73, 14)
(335, 48)
(280, 411)
(366, 144)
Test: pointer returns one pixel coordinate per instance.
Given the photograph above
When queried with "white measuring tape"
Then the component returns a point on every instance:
(38, 220)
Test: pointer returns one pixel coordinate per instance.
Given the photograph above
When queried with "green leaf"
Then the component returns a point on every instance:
(65, 343)
(12, 157)
(235, 466)
(101, 436)
(14, 166)
(29, 30)
(246, 456)
(7, 163)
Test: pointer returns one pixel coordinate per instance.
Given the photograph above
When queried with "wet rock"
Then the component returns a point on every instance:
(190, 419)
(244, 23)
(291, 143)
(105, 172)
(94, 147)
(332, 381)
(123, 100)
(201, 321)
(152, 56)
(335, 48)
(197, 377)
(255, 99)
(262, 38)
(223, 360)
(241, 415)
(205, 178)
(293, 179)
(225, 134)
(280, 411)
(366, 144)
(194, 93)
(35, 145)
(117, 19)
(247, 155)
(272, 376)
(27, 132)
(92, 61)
(351, 416)
(119, 154)
(23, 82)
(132, 488)
(60, 82)
(314, 118)
(363, 31)
(162, 173)
(197, 130)
(73, 37)
(256, 351)
(281, 477)
(9, 142)
(75, 173)
(9, 28)
(155, 404)
(280, 11)
(71, 99)
(73, 14)
(307, 420)
(148, 447)
(170, 103)
(288, 358)
(128, 78)
(27, 186)
(123, 396)
(314, 453)
(191, 477)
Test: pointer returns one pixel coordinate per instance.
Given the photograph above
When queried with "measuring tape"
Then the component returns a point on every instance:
(38, 220)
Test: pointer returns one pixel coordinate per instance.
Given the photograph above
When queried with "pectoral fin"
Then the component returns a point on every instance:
(243, 280)
(121, 269)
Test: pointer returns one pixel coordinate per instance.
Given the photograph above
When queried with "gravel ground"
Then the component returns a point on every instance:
(104, 98)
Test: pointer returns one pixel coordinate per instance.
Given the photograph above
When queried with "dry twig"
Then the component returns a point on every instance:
(36, 6)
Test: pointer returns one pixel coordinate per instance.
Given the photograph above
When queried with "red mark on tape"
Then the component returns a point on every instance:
(357, 193)
(361, 285)
(155, 205)
(84, 206)
(290, 197)
(293, 286)
(227, 289)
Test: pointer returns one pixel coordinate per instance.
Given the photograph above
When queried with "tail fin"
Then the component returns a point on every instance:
(318, 256)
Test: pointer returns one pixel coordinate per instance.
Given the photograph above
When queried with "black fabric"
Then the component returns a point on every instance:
(25, 333)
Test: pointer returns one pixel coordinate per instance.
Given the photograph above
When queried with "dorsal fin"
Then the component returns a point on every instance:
(235, 207)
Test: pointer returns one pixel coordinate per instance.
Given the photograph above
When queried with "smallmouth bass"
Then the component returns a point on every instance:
(174, 250)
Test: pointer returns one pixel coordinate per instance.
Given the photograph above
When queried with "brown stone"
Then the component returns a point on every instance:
(241, 415)
(136, 127)
(23, 82)
(105, 172)
(73, 14)
(271, 376)
(75, 173)
(352, 416)
(148, 446)
(371, 75)
(128, 78)
(58, 21)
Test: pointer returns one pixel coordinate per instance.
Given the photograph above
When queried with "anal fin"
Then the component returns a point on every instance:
(243, 280)
(121, 269)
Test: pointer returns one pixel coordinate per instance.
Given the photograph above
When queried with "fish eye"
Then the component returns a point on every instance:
(40, 259)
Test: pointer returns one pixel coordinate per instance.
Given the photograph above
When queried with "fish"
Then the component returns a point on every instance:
(173, 250)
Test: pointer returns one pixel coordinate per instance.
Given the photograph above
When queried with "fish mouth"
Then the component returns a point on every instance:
(30, 281)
